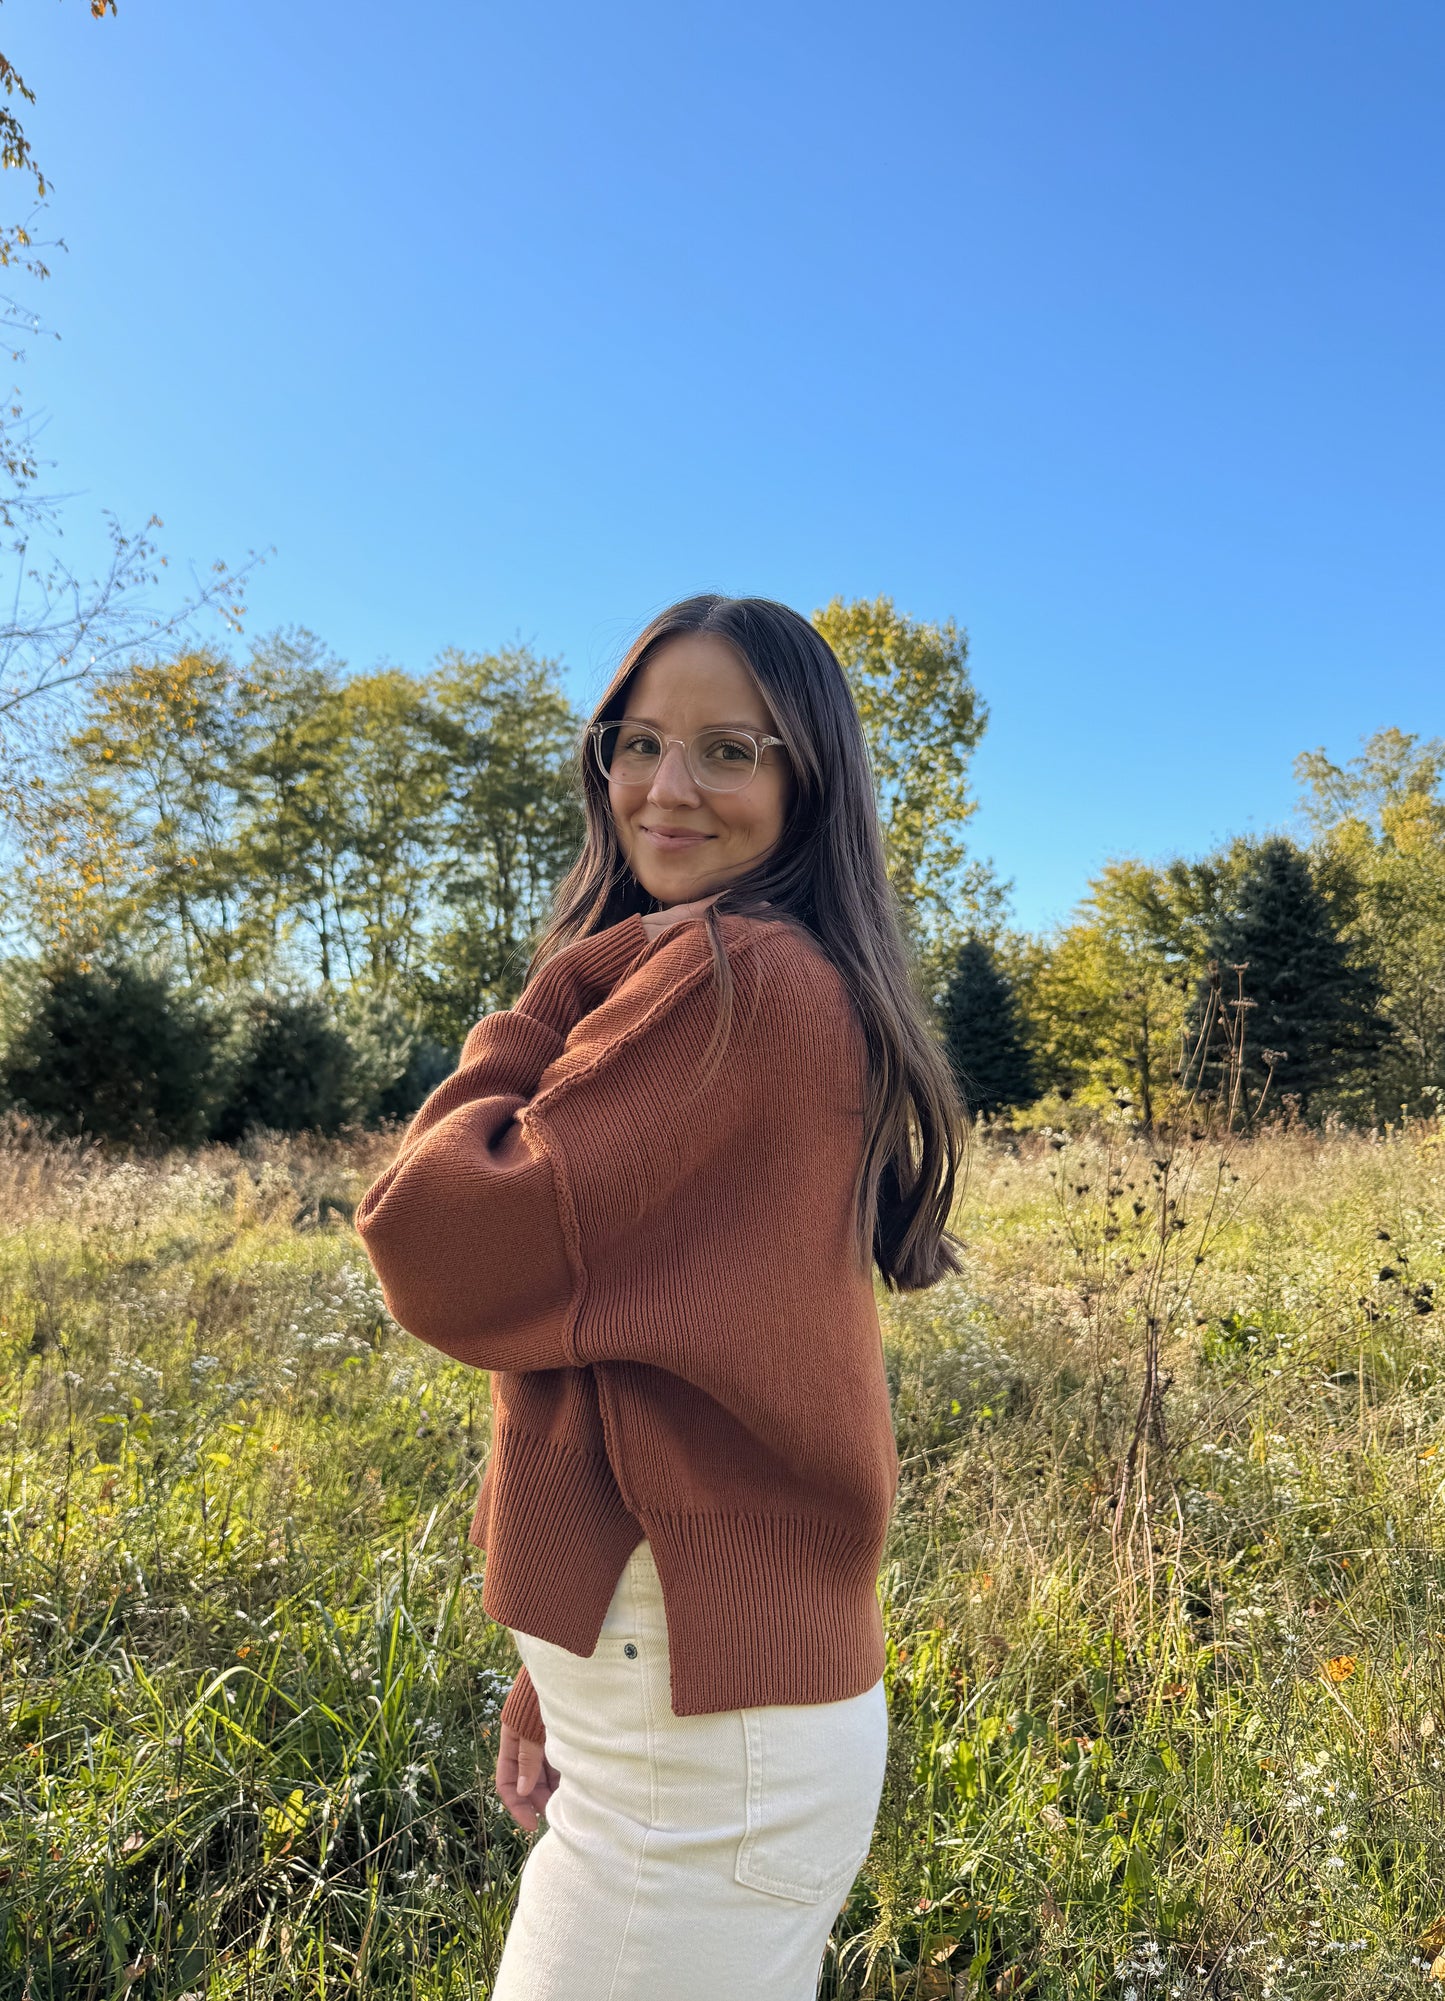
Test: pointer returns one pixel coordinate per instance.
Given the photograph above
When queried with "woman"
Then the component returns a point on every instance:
(649, 1202)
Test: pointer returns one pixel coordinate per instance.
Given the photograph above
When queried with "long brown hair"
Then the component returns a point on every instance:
(827, 873)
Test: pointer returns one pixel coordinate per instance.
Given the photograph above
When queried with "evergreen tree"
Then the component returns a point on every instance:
(1380, 823)
(983, 1033)
(115, 1052)
(294, 1071)
(1312, 1005)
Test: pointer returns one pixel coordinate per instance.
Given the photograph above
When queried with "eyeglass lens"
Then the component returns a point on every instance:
(721, 760)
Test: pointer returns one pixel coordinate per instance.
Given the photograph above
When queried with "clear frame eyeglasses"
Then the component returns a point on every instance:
(719, 760)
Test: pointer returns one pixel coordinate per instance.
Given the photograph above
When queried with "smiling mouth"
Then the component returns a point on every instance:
(676, 836)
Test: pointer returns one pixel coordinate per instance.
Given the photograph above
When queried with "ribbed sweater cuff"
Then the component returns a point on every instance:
(572, 983)
(521, 1712)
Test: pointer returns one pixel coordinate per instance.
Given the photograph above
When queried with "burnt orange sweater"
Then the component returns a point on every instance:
(663, 1282)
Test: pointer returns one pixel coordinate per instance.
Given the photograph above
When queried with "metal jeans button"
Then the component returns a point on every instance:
(630, 1651)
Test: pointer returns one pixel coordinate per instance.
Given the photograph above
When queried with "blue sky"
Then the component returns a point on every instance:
(1112, 331)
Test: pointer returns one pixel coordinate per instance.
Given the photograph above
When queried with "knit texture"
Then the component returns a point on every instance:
(661, 1276)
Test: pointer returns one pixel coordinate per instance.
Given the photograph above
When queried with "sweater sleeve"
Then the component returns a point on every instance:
(520, 1711)
(473, 1230)
(508, 1050)
(409, 1210)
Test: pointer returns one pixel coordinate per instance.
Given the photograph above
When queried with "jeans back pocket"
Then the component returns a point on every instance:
(814, 1782)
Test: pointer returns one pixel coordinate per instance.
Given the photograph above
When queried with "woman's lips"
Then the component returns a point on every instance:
(668, 840)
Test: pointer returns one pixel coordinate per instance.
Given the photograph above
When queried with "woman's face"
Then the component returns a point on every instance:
(693, 682)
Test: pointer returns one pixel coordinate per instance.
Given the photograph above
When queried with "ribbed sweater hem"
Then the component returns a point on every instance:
(761, 1608)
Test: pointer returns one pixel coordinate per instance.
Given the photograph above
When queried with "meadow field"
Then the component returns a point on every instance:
(1164, 1590)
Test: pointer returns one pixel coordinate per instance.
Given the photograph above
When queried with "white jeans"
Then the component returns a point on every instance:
(684, 1858)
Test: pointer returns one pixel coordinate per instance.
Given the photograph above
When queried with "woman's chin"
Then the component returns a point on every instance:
(675, 882)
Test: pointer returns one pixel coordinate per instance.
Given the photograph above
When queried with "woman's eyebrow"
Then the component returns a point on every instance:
(631, 718)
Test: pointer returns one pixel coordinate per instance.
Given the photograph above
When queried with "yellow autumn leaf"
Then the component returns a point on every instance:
(283, 1824)
(1433, 1939)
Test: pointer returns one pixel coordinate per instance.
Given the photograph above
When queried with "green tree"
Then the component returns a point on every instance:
(396, 1062)
(983, 1032)
(923, 719)
(396, 791)
(510, 827)
(284, 821)
(1106, 997)
(293, 1071)
(75, 885)
(291, 782)
(125, 836)
(1311, 1006)
(166, 734)
(1379, 821)
(113, 1051)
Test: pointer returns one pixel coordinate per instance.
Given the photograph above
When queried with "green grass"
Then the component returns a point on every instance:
(248, 1696)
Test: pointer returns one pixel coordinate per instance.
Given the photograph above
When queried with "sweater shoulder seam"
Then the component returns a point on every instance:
(672, 997)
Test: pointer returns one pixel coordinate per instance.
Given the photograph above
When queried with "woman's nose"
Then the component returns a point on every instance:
(672, 778)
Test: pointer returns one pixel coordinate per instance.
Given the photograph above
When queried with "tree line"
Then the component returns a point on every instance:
(1330, 948)
(273, 891)
(277, 867)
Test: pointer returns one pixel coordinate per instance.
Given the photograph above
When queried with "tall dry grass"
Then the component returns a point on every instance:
(1166, 1723)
